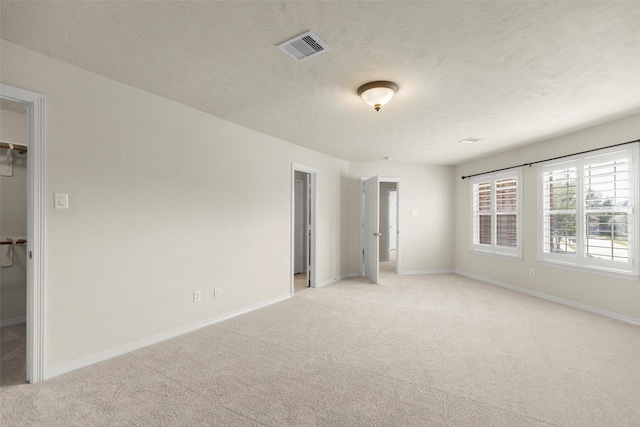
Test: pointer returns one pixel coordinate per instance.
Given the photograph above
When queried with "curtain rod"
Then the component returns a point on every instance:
(552, 158)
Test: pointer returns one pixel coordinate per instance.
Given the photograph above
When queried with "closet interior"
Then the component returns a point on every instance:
(13, 240)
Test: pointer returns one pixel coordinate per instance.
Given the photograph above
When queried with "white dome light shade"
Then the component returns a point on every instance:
(377, 93)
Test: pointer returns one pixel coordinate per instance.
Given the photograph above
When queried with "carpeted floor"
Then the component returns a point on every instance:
(439, 350)
(300, 282)
(13, 354)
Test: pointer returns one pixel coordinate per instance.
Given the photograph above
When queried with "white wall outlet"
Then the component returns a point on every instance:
(197, 296)
(216, 292)
(429, 257)
(532, 273)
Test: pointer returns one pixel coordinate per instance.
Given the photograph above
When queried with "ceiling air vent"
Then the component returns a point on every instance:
(303, 46)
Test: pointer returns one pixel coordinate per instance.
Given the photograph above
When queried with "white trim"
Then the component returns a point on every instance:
(416, 272)
(493, 248)
(337, 279)
(163, 336)
(590, 270)
(35, 227)
(580, 261)
(314, 209)
(12, 321)
(573, 304)
(497, 255)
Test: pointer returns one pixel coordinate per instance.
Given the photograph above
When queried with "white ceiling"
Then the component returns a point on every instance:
(510, 73)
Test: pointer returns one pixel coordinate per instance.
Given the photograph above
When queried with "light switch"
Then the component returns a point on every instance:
(414, 213)
(61, 201)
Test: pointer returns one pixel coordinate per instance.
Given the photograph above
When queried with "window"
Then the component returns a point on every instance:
(586, 211)
(496, 219)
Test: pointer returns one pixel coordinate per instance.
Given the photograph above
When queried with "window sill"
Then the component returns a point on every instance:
(591, 270)
(496, 255)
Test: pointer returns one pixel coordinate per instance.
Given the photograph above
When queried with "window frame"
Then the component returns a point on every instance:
(581, 261)
(493, 249)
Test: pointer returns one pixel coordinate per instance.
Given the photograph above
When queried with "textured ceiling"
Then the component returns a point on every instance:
(508, 72)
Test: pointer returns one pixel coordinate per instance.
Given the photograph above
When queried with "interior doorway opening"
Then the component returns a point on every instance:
(380, 228)
(388, 226)
(303, 226)
(34, 103)
(13, 239)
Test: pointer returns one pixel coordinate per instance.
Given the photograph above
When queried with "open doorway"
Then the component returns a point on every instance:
(380, 228)
(34, 103)
(388, 226)
(303, 225)
(13, 240)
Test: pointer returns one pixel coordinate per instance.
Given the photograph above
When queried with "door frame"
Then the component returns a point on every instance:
(389, 191)
(398, 222)
(300, 228)
(312, 270)
(35, 226)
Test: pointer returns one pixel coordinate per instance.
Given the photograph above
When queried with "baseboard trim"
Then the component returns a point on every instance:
(12, 321)
(573, 304)
(415, 272)
(145, 342)
(337, 279)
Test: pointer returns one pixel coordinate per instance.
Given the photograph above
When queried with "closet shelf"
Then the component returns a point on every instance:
(20, 148)
(14, 242)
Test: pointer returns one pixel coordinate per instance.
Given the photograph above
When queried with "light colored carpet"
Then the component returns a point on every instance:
(438, 350)
(300, 282)
(390, 265)
(13, 354)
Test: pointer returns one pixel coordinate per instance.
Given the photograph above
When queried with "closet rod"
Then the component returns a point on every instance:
(20, 148)
(14, 242)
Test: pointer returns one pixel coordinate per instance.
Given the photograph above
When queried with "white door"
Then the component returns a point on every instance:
(370, 228)
(393, 211)
(300, 226)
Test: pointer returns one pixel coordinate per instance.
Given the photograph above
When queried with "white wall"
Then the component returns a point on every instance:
(601, 292)
(163, 200)
(425, 189)
(13, 219)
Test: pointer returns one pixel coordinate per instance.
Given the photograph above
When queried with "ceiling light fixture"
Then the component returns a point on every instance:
(377, 93)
